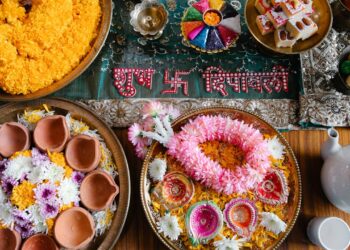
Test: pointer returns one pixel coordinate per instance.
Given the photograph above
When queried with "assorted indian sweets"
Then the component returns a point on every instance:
(345, 69)
(61, 184)
(42, 41)
(211, 25)
(217, 183)
(289, 20)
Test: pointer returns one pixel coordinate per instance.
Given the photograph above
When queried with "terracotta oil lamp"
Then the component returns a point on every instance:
(98, 190)
(14, 137)
(74, 228)
(83, 153)
(51, 133)
(9, 239)
(40, 242)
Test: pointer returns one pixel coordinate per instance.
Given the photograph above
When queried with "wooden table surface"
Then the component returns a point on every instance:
(137, 233)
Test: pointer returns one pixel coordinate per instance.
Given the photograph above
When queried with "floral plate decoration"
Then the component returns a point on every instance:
(37, 186)
(211, 26)
(247, 187)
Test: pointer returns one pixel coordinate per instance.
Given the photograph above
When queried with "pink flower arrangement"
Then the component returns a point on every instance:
(153, 112)
(184, 146)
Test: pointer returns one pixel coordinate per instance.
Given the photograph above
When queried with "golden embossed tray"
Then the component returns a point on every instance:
(291, 208)
(322, 16)
(61, 106)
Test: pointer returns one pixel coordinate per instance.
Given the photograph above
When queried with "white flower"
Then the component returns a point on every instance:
(276, 148)
(157, 169)
(102, 223)
(53, 173)
(272, 222)
(229, 244)
(6, 217)
(38, 222)
(68, 192)
(18, 167)
(169, 226)
(23, 118)
(3, 196)
(36, 175)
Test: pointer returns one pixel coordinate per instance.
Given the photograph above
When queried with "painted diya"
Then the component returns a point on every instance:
(203, 222)
(211, 26)
(241, 216)
(175, 190)
(273, 189)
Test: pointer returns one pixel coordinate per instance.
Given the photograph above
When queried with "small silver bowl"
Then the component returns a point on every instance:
(149, 18)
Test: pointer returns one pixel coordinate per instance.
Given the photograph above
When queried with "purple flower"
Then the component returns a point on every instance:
(2, 166)
(77, 177)
(20, 217)
(50, 209)
(8, 184)
(38, 158)
(25, 230)
(45, 192)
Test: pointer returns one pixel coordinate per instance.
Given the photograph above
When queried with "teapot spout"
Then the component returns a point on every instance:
(331, 146)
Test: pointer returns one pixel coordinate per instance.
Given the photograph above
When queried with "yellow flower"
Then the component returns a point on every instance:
(66, 206)
(49, 223)
(109, 217)
(23, 195)
(26, 153)
(32, 117)
(2, 226)
(58, 159)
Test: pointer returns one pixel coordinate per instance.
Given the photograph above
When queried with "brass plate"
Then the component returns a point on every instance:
(107, 241)
(322, 16)
(294, 181)
(106, 9)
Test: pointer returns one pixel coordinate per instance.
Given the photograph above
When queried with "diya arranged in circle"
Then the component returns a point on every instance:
(211, 26)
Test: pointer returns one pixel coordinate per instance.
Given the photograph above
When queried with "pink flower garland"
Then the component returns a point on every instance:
(184, 146)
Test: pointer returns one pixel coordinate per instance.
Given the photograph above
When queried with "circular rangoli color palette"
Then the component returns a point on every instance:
(211, 25)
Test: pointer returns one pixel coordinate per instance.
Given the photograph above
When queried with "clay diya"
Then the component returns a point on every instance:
(273, 189)
(203, 222)
(51, 133)
(98, 190)
(83, 153)
(175, 190)
(74, 228)
(39, 242)
(14, 137)
(9, 239)
(241, 216)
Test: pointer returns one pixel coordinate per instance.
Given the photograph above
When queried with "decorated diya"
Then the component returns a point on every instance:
(14, 137)
(175, 190)
(40, 242)
(9, 239)
(203, 221)
(211, 26)
(246, 182)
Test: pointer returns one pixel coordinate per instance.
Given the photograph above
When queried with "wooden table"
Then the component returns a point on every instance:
(137, 233)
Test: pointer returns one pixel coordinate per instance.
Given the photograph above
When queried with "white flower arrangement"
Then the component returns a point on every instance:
(68, 192)
(229, 244)
(103, 219)
(169, 226)
(272, 223)
(276, 148)
(18, 167)
(157, 169)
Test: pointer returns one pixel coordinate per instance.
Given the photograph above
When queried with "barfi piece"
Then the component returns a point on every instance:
(275, 3)
(262, 6)
(277, 17)
(302, 27)
(264, 24)
(292, 8)
(283, 39)
(308, 9)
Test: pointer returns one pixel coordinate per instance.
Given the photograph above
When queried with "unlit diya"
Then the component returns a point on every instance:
(74, 228)
(204, 221)
(9, 239)
(83, 153)
(51, 133)
(98, 190)
(211, 25)
(39, 242)
(241, 216)
(175, 190)
(14, 137)
(273, 189)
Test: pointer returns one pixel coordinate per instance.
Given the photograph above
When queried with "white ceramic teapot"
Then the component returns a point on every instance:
(335, 174)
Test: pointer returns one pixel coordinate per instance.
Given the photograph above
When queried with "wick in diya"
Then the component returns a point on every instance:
(149, 18)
